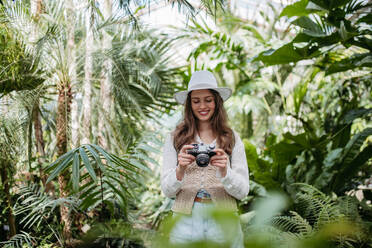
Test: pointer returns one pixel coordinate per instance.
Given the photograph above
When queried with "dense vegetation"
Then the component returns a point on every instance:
(86, 100)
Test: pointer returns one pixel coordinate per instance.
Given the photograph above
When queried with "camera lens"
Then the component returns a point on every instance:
(202, 160)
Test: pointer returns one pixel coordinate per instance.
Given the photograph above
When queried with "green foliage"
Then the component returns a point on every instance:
(323, 161)
(143, 83)
(315, 163)
(37, 213)
(36, 207)
(100, 177)
(112, 234)
(328, 27)
(261, 170)
(19, 240)
(19, 68)
(317, 212)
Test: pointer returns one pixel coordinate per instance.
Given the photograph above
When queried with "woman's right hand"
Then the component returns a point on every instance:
(184, 159)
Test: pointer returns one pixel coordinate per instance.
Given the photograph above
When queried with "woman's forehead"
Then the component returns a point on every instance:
(201, 93)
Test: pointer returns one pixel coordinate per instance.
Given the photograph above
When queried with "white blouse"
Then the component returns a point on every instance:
(236, 181)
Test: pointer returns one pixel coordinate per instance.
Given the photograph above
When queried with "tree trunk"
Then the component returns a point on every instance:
(36, 10)
(6, 185)
(36, 7)
(87, 86)
(71, 49)
(39, 140)
(105, 94)
(63, 109)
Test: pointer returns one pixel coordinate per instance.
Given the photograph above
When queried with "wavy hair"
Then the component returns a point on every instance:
(186, 131)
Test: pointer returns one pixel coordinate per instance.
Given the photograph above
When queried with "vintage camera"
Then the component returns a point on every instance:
(202, 153)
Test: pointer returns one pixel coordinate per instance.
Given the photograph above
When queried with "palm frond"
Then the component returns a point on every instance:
(294, 223)
(19, 240)
(37, 206)
(12, 134)
(142, 82)
(100, 177)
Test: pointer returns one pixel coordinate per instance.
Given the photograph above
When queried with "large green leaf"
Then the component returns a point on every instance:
(310, 27)
(349, 170)
(298, 8)
(87, 163)
(255, 32)
(76, 172)
(356, 113)
(300, 90)
(353, 62)
(303, 46)
(61, 166)
(283, 55)
(262, 170)
(352, 149)
(330, 4)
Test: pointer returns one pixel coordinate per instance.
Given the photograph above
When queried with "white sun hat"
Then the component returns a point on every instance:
(201, 80)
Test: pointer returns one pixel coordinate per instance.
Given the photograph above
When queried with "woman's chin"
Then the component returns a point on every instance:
(204, 118)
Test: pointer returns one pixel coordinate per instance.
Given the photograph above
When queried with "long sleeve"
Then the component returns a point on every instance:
(236, 181)
(169, 182)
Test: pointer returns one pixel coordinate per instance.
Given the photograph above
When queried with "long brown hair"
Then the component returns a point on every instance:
(186, 131)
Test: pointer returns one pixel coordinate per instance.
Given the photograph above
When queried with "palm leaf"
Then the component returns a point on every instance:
(19, 240)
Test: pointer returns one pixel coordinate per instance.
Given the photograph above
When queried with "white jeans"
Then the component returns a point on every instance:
(201, 226)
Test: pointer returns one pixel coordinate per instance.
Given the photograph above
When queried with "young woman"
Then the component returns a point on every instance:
(197, 189)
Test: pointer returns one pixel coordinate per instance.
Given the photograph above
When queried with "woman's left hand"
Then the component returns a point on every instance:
(220, 161)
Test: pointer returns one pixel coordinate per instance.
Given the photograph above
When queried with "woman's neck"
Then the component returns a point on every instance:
(204, 127)
(205, 132)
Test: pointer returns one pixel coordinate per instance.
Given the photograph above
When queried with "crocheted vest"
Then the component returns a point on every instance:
(197, 178)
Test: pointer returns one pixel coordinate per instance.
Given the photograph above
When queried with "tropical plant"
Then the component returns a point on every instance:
(334, 146)
(113, 234)
(112, 178)
(19, 67)
(153, 207)
(12, 138)
(335, 32)
(314, 211)
(324, 160)
(142, 84)
(36, 209)
(22, 239)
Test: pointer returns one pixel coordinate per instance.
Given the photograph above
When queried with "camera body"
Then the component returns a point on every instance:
(202, 153)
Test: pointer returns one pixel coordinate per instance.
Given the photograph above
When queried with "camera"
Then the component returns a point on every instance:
(202, 153)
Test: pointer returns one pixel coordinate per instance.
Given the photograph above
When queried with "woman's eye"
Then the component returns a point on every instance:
(208, 100)
(195, 102)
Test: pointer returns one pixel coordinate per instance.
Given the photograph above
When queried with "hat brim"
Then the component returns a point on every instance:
(181, 96)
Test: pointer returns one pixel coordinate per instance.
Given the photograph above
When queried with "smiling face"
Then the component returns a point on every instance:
(202, 104)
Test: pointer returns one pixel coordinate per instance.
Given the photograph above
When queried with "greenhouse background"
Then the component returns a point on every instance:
(86, 101)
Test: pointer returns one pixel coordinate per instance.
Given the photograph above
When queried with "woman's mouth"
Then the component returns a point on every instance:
(204, 113)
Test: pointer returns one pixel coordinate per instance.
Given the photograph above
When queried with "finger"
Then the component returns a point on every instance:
(219, 158)
(186, 156)
(185, 161)
(219, 151)
(186, 147)
(220, 165)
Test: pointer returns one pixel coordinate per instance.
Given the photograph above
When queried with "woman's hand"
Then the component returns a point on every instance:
(184, 160)
(220, 161)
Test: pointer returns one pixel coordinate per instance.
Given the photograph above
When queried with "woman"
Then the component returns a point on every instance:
(197, 189)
